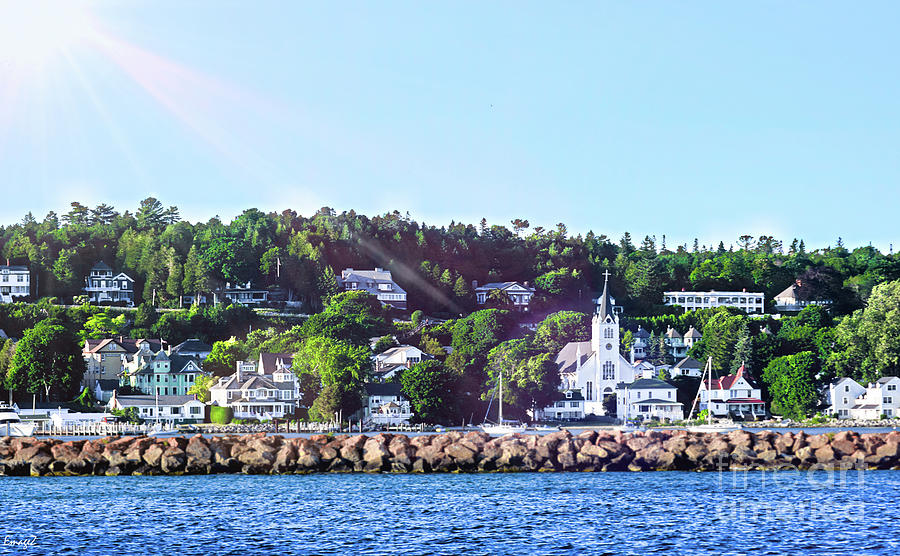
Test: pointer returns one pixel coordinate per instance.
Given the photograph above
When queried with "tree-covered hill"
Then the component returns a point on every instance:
(436, 265)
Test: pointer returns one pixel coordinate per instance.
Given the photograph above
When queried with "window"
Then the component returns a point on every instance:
(846, 388)
(573, 404)
(608, 333)
(846, 401)
(560, 404)
(891, 387)
(195, 410)
(590, 391)
(888, 399)
(609, 370)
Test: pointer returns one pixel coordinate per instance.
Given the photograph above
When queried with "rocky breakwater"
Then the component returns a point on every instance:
(449, 453)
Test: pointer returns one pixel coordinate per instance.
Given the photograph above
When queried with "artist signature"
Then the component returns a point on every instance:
(23, 542)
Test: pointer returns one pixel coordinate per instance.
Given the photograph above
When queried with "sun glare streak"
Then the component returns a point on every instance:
(190, 96)
(114, 130)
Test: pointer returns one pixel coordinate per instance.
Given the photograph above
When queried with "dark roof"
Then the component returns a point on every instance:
(576, 396)
(886, 379)
(108, 385)
(269, 360)
(191, 345)
(688, 363)
(503, 286)
(383, 389)
(647, 383)
(641, 333)
(100, 265)
(14, 268)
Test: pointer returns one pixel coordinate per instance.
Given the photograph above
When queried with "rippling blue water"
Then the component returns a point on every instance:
(562, 513)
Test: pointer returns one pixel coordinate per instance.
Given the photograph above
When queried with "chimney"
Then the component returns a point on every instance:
(744, 290)
(474, 284)
(682, 289)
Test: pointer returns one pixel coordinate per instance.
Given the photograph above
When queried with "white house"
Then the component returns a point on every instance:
(648, 399)
(102, 286)
(404, 355)
(596, 367)
(746, 301)
(15, 282)
(181, 409)
(386, 405)
(568, 406)
(881, 397)
(378, 282)
(733, 395)
(245, 294)
(639, 344)
(843, 394)
(688, 366)
(790, 300)
(519, 294)
(254, 394)
(691, 337)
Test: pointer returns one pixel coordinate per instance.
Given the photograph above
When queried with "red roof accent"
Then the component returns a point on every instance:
(745, 400)
(727, 381)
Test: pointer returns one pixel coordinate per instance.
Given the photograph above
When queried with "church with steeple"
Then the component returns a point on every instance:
(596, 367)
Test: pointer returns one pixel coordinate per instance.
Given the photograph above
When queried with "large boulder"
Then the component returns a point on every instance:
(173, 460)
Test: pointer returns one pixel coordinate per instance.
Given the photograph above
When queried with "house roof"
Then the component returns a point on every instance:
(395, 350)
(14, 268)
(192, 344)
(648, 383)
(693, 333)
(672, 333)
(503, 286)
(365, 277)
(269, 361)
(641, 333)
(107, 384)
(100, 265)
(727, 381)
(886, 379)
(571, 353)
(688, 363)
(251, 381)
(576, 396)
(789, 292)
(129, 345)
(383, 389)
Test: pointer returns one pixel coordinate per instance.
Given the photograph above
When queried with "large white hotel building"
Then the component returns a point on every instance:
(748, 302)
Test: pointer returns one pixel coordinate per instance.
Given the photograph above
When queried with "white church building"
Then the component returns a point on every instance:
(596, 367)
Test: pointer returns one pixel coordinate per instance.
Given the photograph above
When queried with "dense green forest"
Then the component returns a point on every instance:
(436, 265)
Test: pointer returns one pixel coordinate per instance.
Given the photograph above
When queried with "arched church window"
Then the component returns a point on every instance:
(608, 333)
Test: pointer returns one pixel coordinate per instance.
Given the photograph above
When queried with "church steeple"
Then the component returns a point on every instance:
(604, 304)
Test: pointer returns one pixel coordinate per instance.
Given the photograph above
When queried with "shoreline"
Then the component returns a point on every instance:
(452, 452)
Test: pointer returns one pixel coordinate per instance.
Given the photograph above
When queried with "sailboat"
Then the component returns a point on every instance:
(710, 426)
(508, 427)
(162, 429)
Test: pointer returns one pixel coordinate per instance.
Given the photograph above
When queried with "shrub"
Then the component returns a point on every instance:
(221, 415)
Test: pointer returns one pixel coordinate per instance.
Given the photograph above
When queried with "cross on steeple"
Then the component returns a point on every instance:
(606, 275)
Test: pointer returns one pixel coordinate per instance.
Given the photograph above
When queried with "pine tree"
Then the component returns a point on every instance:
(743, 348)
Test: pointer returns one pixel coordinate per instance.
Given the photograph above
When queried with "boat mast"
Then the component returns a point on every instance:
(501, 396)
(709, 392)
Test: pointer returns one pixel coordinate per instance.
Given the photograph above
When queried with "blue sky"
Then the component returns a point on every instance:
(691, 119)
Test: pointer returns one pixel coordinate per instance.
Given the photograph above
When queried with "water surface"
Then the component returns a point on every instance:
(559, 513)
